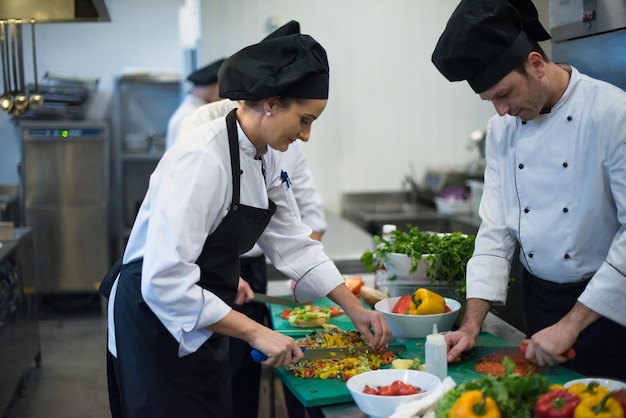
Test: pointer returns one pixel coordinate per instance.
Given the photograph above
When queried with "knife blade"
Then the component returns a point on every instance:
(260, 297)
(333, 353)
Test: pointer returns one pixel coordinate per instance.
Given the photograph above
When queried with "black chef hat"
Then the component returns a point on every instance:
(207, 74)
(285, 63)
(485, 40)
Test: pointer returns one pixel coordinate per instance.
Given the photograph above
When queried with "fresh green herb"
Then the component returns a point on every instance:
(514, 394)
(447, 254)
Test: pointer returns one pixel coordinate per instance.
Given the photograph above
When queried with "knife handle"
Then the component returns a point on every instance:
(258, 357)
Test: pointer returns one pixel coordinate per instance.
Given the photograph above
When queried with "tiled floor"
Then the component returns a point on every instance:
(71, 380)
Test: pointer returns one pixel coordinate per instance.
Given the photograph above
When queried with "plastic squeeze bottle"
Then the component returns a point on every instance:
(436, 354)
(380, 277)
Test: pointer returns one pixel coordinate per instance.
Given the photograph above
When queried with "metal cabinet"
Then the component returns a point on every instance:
(143, 105)
(19, 329)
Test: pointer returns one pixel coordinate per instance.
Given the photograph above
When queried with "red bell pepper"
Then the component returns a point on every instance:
(558, 403)
(620, 397)
(403, 305)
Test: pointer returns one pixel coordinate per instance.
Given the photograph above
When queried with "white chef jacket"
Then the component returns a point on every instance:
(190, 103)
(188, 197)
(293, 162)
(557, 185)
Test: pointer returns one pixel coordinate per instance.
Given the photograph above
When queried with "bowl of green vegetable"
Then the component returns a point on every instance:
(443, 257)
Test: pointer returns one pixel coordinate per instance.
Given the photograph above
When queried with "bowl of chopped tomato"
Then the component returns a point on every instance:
(412, 326)
(379, 392)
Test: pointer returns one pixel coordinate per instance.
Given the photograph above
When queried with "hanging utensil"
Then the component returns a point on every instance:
(21, 99)
(6, 100)
(13, 52)
(36, 99)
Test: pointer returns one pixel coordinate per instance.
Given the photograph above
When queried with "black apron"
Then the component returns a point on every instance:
(245, 372)
(148, 378)
(599, 347)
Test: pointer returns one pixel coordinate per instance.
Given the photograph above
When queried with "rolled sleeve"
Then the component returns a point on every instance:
(312, 285)
(606, 293)
(488, 278)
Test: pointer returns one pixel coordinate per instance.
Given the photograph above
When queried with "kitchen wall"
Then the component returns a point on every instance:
(389, 109)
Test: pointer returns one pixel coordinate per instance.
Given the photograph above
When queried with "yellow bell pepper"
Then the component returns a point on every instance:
(426, 302)
(599, 406)
(589, 389)
(474, 404)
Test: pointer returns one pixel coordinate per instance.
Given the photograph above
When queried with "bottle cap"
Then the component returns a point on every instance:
(388, 228)
(435, 337)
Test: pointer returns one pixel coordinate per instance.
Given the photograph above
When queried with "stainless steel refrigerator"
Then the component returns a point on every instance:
(65, 193)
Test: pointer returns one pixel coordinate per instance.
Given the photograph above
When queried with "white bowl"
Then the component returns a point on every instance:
(607, 383)
(384, 406)
(400, 265)
(417, 326)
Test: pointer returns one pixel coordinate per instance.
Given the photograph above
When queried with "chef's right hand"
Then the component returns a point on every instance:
(280, 349)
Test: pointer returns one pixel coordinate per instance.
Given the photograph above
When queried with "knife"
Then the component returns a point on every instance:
(333, 353)
(260, 297)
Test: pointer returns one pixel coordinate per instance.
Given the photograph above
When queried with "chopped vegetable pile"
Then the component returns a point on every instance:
(338, 368)
(310, 315)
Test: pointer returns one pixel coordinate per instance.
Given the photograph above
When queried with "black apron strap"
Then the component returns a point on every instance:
(106, 284)
(233, 144)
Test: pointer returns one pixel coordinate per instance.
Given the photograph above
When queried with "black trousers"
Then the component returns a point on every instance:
(600, 346)
(246, 374)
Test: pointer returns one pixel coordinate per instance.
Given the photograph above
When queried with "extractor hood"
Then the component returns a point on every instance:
(55, 11)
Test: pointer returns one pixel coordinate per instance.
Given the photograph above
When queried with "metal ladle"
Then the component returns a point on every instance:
(21, 99)
(6, 100)
(36, 99)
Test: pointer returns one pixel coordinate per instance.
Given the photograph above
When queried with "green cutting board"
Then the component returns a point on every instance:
(319, 392)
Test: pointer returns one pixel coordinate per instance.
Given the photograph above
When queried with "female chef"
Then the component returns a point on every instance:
(212, 196)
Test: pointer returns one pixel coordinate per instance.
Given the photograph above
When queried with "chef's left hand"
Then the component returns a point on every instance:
(546, 347)
(244, 292)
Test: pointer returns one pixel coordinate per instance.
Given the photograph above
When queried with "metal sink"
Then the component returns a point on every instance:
(372, 210)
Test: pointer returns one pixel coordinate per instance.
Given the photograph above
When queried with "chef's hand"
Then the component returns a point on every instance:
(458, 342)
(372, 325)
(551, 345)
(244, 292)
(280, 349)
